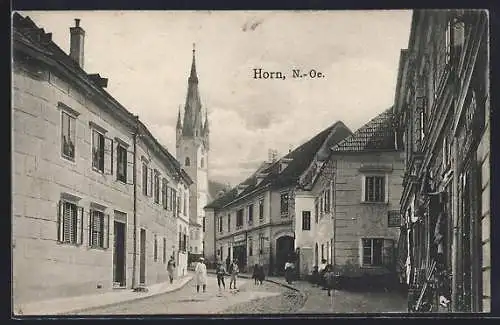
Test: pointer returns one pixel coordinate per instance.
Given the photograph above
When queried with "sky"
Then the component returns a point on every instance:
(146, 55)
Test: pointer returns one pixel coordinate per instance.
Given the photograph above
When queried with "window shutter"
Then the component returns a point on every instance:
(130, 167)
(60, 222)
(106, 231)
(108, 156)
(91, 226)
(388, 252)
(150, 182)
(79, 226)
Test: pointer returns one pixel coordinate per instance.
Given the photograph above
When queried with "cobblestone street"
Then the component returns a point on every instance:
(249, 299)
(268, 298)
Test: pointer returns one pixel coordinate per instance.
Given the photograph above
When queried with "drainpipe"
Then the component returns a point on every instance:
(134, 260)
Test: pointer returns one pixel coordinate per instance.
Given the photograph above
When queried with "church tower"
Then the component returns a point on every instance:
(192, 149)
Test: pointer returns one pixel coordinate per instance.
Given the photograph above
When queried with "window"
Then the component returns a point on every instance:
(98, 229)
(179, 204)
(184, 201)
(187, 162)
(173, 198)
(155, 252)
(327, 200)
(164, 193)
(374, 189)
(322, 251)
(261, 244)
(203, 224)
(220, 224)
(228, 222)
(306, 220)
(68, 136)
(250, 214)
(157, 187)
(284, 204)
(393, 219)
(202, 162)
(250, 246)
(164, 250)
(70, 223)
(261, 209)
(321, 206)
(239, 219)
(184, 242)
(372, 252)
(316, 211)
(144, 179)
(98, 151)
(121, 163)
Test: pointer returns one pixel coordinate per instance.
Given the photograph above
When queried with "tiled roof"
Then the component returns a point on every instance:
(377, 134)
(301, 158)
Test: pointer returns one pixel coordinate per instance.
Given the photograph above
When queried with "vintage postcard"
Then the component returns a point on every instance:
(250, 162)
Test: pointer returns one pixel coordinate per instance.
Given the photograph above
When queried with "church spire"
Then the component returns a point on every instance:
(193, 77)
(179, 124)
(205, 126)
(192, 125)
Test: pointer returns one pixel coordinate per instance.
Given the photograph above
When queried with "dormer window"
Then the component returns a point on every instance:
(241, 188)
(284, 164)
(260, 177)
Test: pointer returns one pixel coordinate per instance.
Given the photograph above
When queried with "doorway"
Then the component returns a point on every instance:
(119, 255)
(142, 259)
(284, 251)
(240, 255)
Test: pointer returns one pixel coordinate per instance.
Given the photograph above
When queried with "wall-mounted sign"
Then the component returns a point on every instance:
(239, 238)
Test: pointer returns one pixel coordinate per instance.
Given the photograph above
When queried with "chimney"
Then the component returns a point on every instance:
(77, 37)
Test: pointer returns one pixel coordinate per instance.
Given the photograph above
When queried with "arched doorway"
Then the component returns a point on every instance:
(284, 250)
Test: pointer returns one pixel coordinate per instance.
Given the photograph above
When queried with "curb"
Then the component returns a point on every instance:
(69, 313)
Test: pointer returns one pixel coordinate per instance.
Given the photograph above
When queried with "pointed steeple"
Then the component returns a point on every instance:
(179, 124)
(193, 77)
(192, 125)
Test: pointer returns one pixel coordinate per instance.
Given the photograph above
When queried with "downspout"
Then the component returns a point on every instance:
(134, 260)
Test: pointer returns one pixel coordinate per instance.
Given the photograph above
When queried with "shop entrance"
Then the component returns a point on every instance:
(284, 251)
(240, 255)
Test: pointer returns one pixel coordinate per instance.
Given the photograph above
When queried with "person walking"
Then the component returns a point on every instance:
(220, 271)
(260, 274)
(171, 269)
(321, 271)
(233, 270)
(201, 275)
(288, 271)
(329, 278)
(255, 274)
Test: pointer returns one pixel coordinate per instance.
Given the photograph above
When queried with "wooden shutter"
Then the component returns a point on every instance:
(79, 225)
(130, 167)
(388, 252)
(91, 226)
(150, 182)
(108, 156)
(105, 230)
(60, 221)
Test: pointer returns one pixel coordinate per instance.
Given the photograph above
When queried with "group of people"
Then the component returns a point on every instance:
(201, 275)
(324, 276)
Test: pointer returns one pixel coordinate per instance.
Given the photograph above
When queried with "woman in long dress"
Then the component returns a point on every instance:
(201, 275)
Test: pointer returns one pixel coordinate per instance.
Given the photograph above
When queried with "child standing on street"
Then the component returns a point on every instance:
(220, 271)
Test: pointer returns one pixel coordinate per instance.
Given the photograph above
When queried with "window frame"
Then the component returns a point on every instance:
(101, 150)
(71, 118)
(261, 209)
(250, 245)
(306, 220)
(284, 204)
(229, 222)
(102, 241)
(155, 248)
(156, 186)
(250, 208)
(385, 191)
(372, 248)
(240, 215)
(76, 223)
(124, 150)
(221, 225)
(144, 174)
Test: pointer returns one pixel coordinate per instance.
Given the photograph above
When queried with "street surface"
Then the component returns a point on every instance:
(267, 298)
